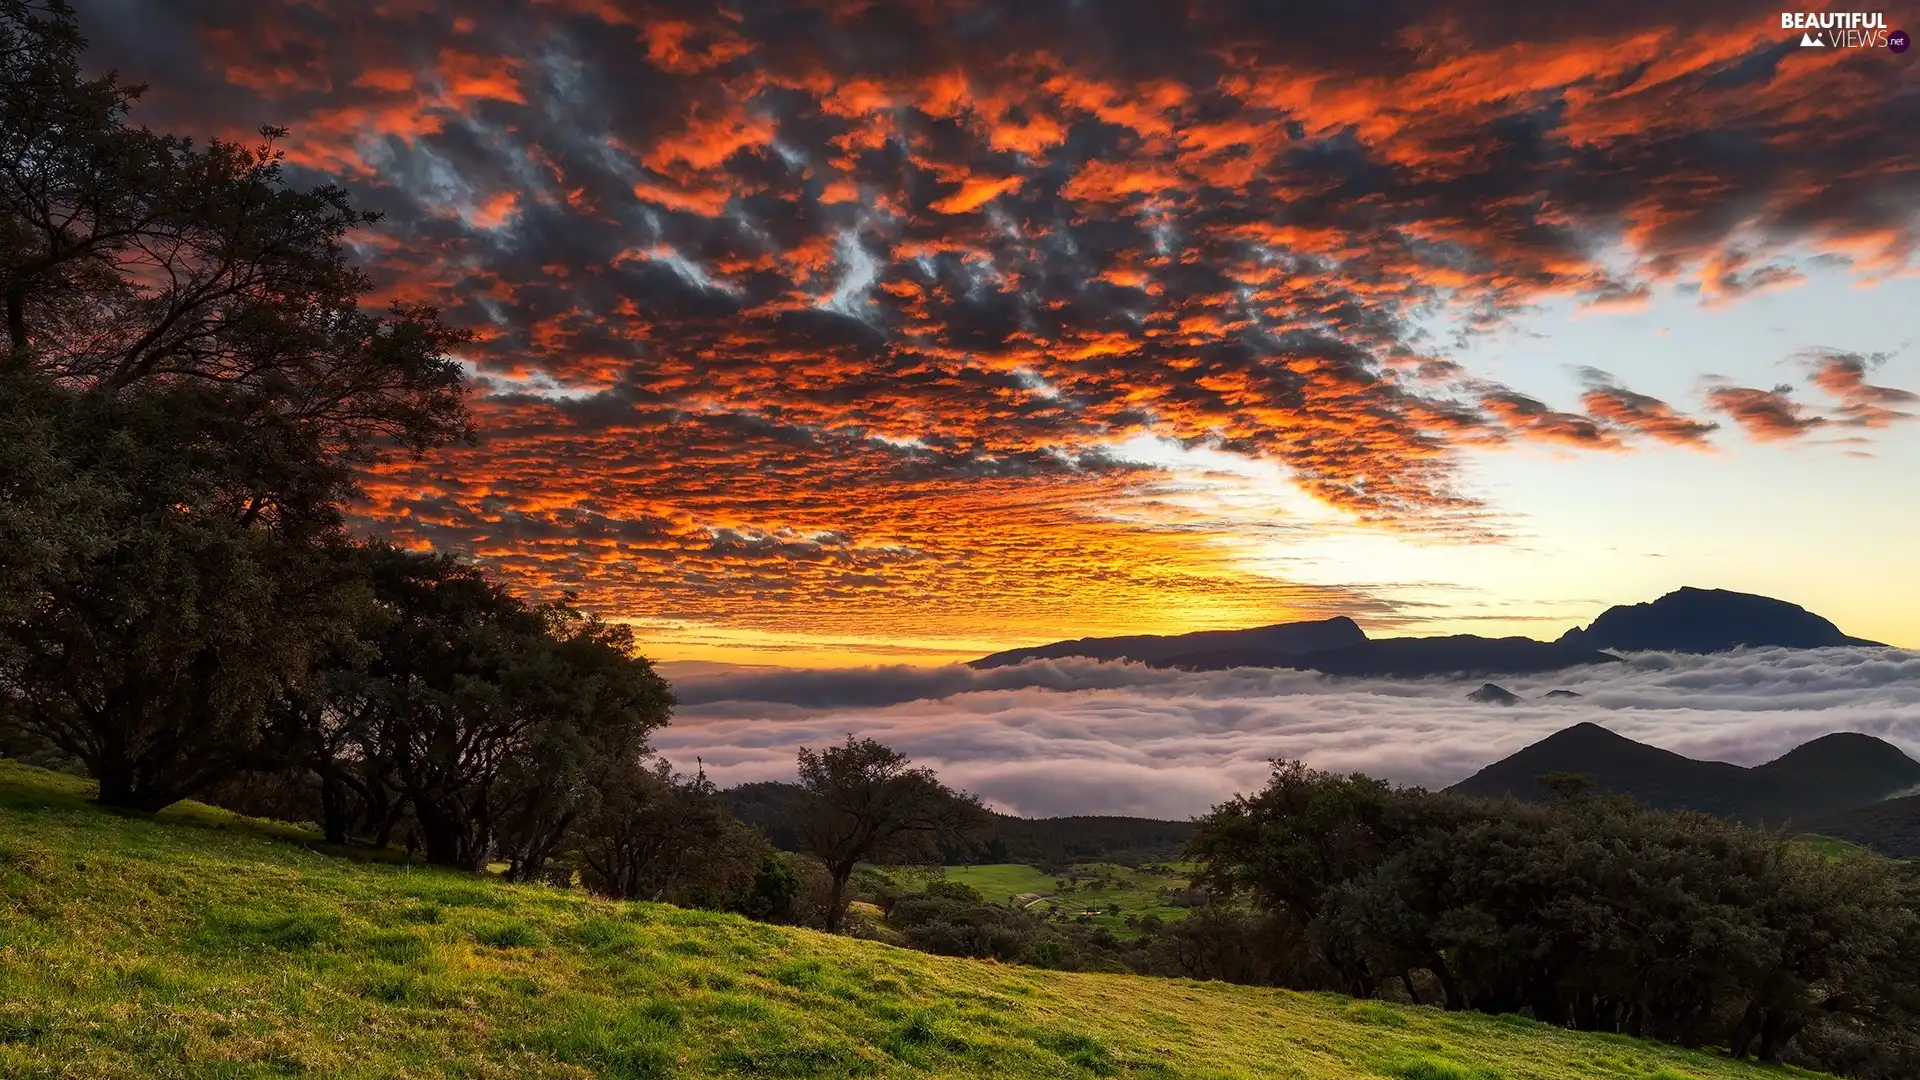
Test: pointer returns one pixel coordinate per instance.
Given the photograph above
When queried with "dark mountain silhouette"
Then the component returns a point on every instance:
(1493, 695)
(1301, 646)
(1259, 644)
(1561, 694)
(1412, 658)
(1687, 620)
(1839, 761)
(1826, 776)
(1891, 828)
(1708, 620)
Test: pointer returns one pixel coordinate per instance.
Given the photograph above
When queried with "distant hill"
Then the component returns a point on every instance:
(1042, 842)
(1490, 694)
(1841, 761)
(1259, 644)
(1686, 620)
(1891, 828)
(1693, 620)
(1831, 774)
(1333, 646)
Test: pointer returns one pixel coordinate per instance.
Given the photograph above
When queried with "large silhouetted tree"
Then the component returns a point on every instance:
(131, 259)
(866, 802)
(498, 720)
(149, 647)
(191, 383)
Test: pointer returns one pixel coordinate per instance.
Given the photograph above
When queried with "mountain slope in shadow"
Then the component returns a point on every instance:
(1890, 827)
(1831, 774)
(1262, 642)
(1691, 620)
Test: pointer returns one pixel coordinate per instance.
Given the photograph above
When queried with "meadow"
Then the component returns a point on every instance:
(200, 944)
(1088, 892)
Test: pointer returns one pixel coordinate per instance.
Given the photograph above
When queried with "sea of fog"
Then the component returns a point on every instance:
(1083, 737)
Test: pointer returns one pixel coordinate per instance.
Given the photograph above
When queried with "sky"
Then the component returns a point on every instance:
(844, 333)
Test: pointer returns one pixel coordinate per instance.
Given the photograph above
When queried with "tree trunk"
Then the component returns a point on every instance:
(123, 788)
(116, 783)
(1775, 1034)
(109, 760)
(837, 899)
(444, 838)
(333, 816)
(1449, 989)
(1744, 1033)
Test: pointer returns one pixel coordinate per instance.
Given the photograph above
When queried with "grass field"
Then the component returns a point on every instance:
(200, 945)
(1087, 887)
(1830, 847)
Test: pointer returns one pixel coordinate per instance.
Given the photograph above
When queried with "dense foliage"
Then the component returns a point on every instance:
(193, 382)
(1590, 912)
(865, 802)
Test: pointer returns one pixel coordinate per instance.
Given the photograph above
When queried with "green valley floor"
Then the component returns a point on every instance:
(198, 944)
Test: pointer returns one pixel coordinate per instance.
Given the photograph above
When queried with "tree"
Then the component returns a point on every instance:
(866, 802)
(130, 259)
(196, 383)
(661, 836)
(1289, 844)
(773, 894)
(148, 645)
(1588, 912)
(596, 701)
(496, 717)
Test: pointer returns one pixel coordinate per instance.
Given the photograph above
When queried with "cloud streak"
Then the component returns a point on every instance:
(1844, 377)
(1607, 401)
(1064, 737)
(1765, 415)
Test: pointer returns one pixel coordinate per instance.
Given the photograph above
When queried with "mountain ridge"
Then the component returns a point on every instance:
(1288, 638)
(1686, 620)
(1694, 620)
(1833, 774)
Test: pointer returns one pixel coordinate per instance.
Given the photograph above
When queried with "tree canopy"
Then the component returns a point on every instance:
(192, 381)
(866, 802)
(1589, 912)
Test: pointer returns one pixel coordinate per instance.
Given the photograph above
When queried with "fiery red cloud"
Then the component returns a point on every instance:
(829, 316)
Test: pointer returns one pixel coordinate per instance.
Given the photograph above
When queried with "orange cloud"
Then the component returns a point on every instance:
(1766, 415)
(976, 192)
(751, 355)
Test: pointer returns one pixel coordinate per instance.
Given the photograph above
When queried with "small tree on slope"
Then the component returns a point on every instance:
(866, 802)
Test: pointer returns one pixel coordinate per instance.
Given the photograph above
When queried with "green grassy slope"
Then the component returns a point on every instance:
(202, 945)
(1083, 887)
(1831, 847)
